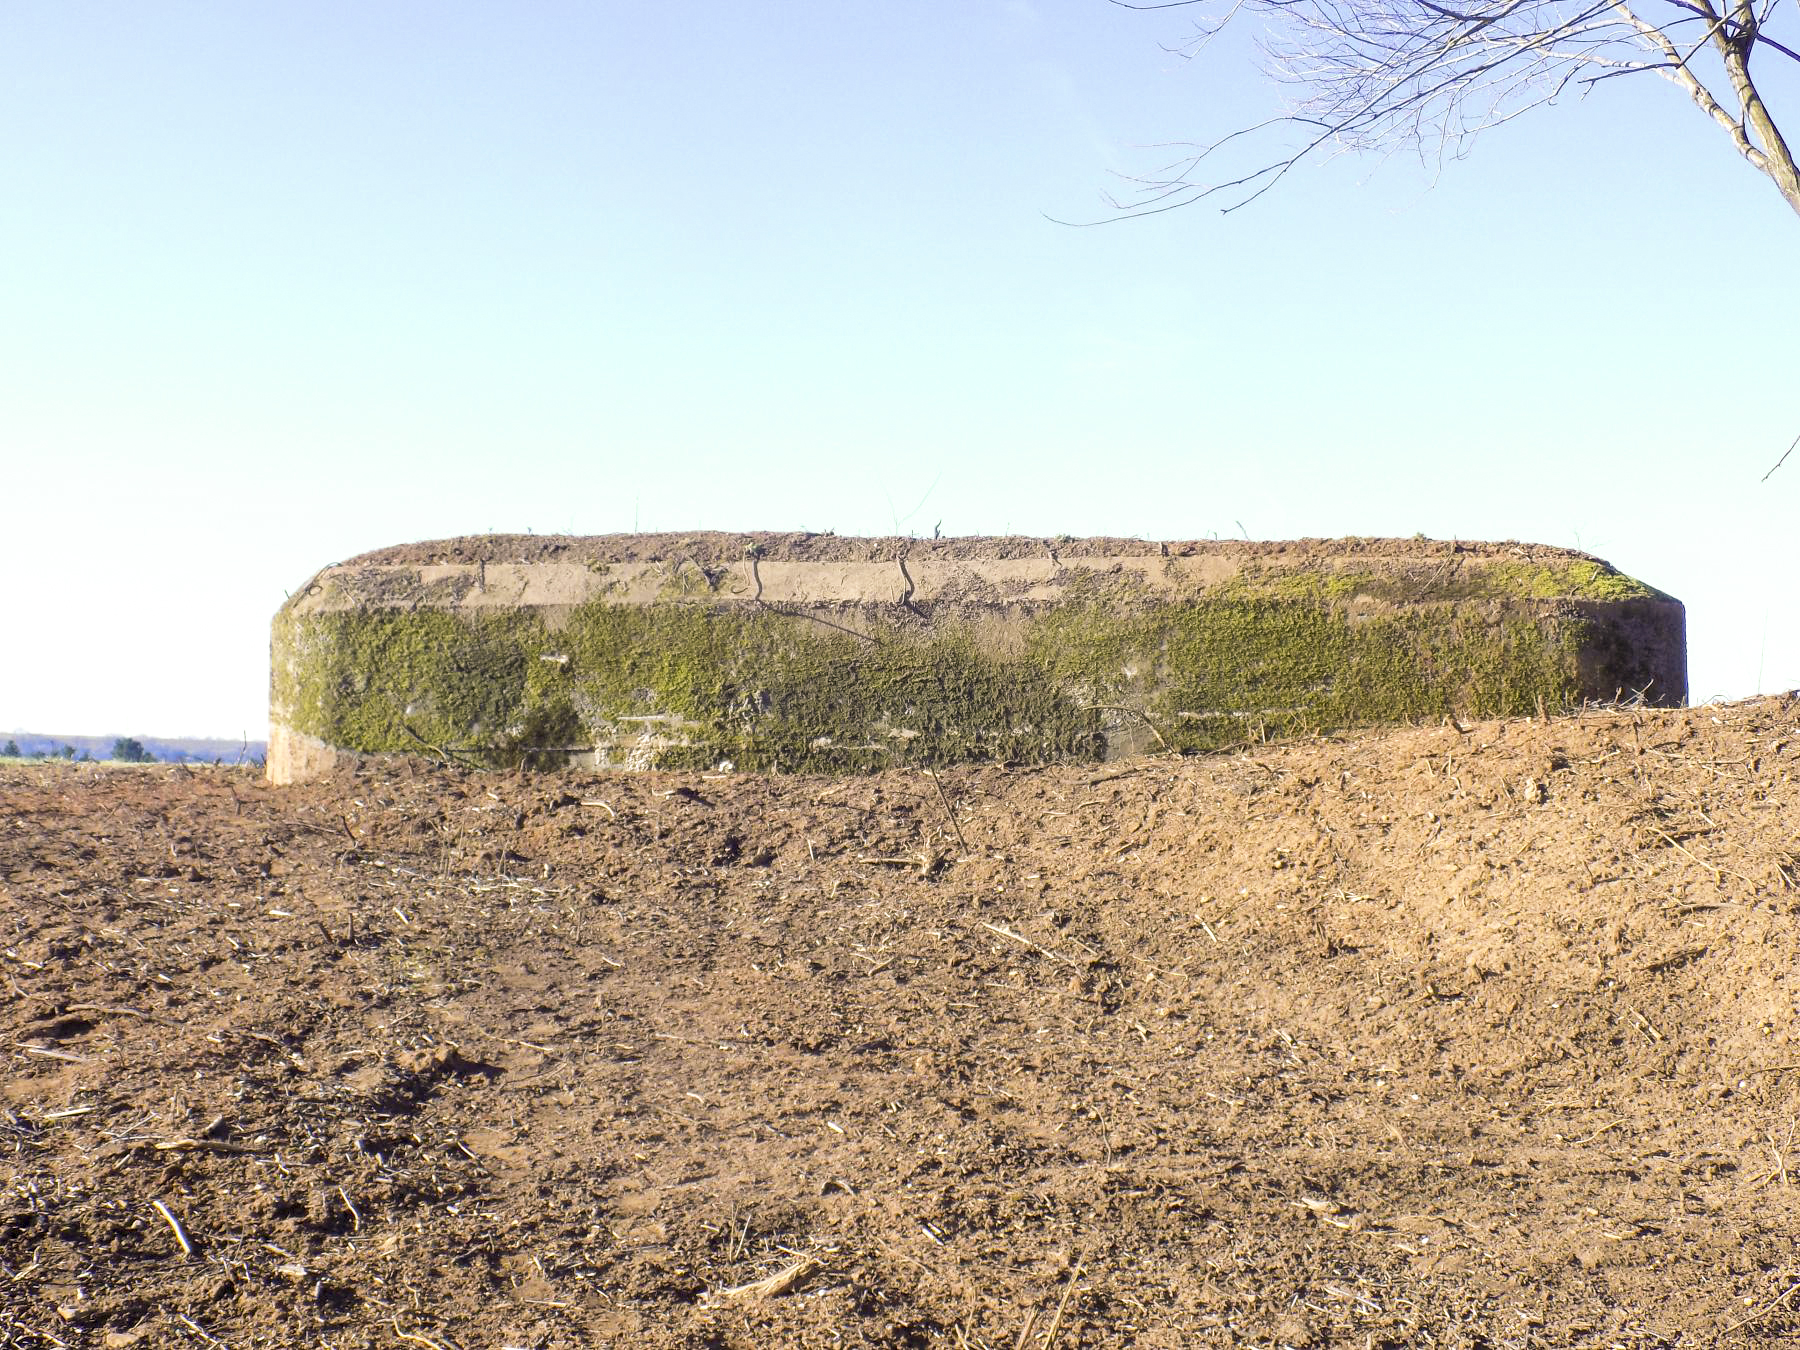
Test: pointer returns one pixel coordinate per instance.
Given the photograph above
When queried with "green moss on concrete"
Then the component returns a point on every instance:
(1306, 585)
(689, 684)
(768, 690)
(1580, 579)
(762, 689)
(403, 680)
(1577, 579)
(1225, 671)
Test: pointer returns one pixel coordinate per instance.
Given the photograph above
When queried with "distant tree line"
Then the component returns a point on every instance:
(127, 750)
(31, 745)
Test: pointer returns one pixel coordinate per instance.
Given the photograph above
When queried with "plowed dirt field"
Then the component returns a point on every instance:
(1454, 1036)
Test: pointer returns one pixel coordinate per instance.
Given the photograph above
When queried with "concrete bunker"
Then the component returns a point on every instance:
(819, 654)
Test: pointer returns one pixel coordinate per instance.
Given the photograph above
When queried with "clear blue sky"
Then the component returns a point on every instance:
(283, 282)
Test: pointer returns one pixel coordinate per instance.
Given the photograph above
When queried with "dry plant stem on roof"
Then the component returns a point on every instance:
(1430, 77)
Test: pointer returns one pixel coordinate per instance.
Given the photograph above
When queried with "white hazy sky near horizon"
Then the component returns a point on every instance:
(282, 283)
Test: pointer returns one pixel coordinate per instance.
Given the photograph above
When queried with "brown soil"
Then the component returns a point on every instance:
(710, 546)
(1437, 1037)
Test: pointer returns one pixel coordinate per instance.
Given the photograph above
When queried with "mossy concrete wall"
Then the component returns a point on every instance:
(810, 653)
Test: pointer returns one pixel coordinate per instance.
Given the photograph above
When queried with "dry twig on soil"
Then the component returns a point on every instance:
(187, 1247)
(783, 1281)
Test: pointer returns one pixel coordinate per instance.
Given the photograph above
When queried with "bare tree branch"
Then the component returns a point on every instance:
(1433, 75)
(1783, 460)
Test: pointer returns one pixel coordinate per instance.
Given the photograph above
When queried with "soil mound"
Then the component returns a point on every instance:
(1468, 1035)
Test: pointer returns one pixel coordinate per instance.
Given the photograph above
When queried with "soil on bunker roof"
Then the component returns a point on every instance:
(1449, 1036)
(713, 546)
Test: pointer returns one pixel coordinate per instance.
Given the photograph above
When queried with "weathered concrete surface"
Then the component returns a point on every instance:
(823, 654)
